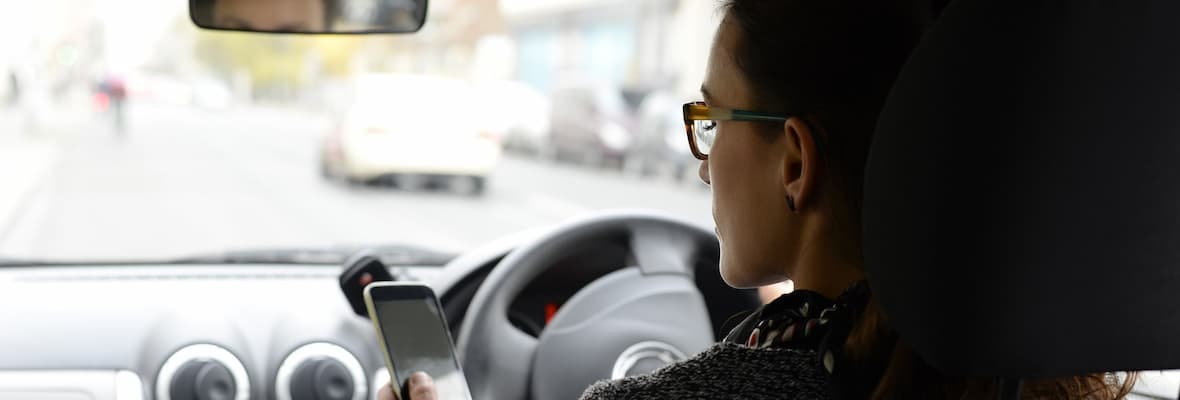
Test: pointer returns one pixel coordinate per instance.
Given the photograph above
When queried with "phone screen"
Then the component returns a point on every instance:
(416, 336)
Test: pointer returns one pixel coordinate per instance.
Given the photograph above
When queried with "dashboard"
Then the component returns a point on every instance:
(250, 331)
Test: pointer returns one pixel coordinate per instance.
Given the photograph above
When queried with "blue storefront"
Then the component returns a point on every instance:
(596, 41)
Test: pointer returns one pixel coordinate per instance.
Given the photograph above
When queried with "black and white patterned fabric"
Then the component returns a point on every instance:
(804, 320)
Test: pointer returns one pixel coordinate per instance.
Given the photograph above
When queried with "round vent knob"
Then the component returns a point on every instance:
(202, 372)
(203, 380)
(320, 371)
(324, 379)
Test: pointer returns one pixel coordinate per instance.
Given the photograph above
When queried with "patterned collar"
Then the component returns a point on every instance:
(804, 320)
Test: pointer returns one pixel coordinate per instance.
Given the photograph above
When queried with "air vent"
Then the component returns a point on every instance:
(202, 372)
(320, 371)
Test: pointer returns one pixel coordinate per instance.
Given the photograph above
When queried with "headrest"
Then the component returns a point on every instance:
(1022, 198)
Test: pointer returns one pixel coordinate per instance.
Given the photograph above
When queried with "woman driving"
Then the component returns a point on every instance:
(791, 96)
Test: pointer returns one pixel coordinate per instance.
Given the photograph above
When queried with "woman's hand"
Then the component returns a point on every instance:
(421, 388)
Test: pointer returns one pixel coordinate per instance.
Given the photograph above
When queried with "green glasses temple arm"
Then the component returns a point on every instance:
(743, 115)
(727, 114)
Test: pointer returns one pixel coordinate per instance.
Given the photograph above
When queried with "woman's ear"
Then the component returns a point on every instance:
(801, 164)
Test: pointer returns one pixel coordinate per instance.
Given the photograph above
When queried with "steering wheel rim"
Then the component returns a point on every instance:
(498, 359)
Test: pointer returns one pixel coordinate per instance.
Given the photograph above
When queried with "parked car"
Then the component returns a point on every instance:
(590, 123)
(404, 129)
(659, 145)
(516, 112)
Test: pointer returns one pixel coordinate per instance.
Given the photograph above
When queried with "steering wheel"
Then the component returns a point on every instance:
(629, 321)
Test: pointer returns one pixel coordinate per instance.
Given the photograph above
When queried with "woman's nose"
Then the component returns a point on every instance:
(704, 171)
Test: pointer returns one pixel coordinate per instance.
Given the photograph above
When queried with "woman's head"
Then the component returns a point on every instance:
(787, 195)
(786, 191)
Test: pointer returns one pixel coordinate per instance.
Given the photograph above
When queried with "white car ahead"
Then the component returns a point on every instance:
(410, 130)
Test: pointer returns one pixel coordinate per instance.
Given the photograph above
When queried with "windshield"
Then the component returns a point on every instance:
(128, 134)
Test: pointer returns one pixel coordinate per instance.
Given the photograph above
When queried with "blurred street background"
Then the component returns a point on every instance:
(126, 133)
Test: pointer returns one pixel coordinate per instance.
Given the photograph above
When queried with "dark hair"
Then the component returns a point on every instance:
(833, 63)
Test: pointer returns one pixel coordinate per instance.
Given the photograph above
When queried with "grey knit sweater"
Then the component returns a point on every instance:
(788, 349)
(726, 371)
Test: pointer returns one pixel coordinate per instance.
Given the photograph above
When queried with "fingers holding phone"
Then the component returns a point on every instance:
(421, 388)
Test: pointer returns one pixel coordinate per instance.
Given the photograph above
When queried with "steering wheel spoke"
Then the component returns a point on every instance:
(660, 248)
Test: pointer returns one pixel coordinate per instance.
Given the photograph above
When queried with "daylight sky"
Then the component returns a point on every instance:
(132, 27)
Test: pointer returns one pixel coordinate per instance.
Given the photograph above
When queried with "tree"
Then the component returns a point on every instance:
(277, 63)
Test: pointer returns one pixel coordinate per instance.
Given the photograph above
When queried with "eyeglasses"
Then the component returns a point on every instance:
(700, 122)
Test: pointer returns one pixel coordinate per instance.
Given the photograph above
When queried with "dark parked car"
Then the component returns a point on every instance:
(659, 146)
(590, 123)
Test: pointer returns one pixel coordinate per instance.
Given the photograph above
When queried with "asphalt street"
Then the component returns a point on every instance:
(183, 182)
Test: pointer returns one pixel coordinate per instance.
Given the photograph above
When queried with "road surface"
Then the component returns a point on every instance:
(186, 182)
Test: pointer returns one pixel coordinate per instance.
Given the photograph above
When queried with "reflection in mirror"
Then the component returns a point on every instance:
(310, 16)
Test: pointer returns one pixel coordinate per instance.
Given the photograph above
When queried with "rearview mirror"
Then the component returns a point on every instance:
(310, 16)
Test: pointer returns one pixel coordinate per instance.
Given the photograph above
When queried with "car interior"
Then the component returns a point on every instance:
(1035, 237)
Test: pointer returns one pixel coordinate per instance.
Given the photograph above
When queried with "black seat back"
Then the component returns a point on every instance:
(1022, 205)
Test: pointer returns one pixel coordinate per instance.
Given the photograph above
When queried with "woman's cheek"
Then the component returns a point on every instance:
(727, 213)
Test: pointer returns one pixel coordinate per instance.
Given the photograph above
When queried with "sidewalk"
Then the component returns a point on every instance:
(25, 162)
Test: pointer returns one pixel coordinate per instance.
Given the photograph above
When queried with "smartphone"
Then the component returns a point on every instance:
(414, 337)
